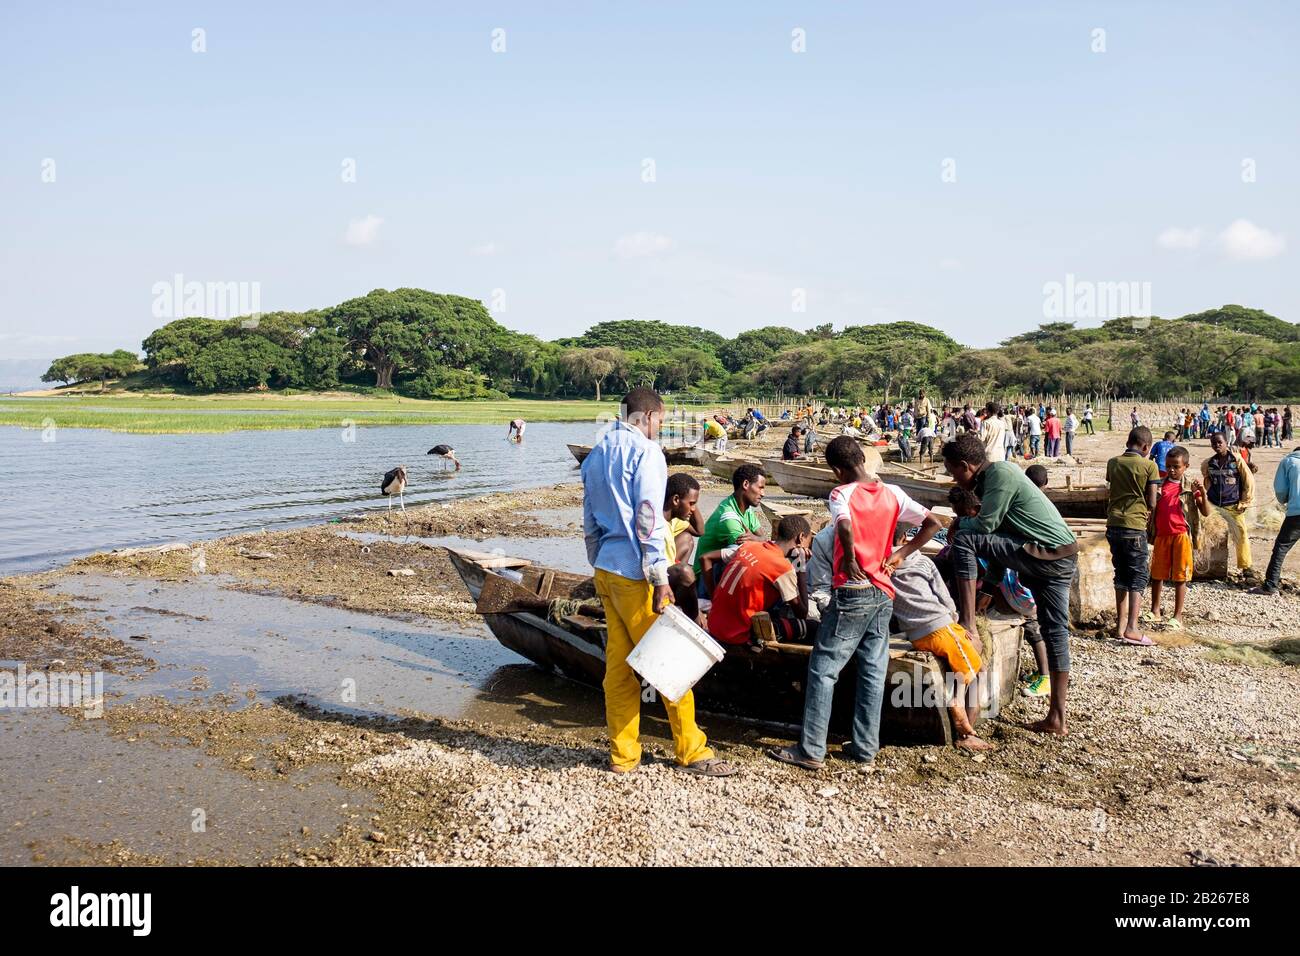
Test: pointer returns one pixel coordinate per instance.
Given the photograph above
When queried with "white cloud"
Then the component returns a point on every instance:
(1176, 238)
(1245, 240)
(641, 244)
(487, 249)
(362, 232)
(950, 265)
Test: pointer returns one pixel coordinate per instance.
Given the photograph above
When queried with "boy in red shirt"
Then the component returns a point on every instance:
(759, 577)
(1179, 508)
(1052, 431)
(855, 626)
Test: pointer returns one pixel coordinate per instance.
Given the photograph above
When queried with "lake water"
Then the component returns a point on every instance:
(92, 490)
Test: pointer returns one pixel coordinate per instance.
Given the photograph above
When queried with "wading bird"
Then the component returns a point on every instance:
(394, 483)
(446, 453)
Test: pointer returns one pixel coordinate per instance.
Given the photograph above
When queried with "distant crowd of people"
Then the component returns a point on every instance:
(1242, 425)
(921, 429)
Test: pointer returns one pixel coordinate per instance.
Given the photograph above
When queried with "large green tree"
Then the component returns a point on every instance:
(645, 335)
(414, 330)
(171, 349)
(757, 345)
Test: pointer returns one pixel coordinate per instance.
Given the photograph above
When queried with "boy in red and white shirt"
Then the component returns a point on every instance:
(865, 511)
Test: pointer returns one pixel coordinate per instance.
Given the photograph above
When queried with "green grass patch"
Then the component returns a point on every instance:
(1285, 651)
(161, 414)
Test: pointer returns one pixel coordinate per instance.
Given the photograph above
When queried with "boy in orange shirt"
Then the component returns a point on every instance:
(759, 577)
(1176, 519)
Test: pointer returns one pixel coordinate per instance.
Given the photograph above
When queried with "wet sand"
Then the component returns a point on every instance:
(285, 675)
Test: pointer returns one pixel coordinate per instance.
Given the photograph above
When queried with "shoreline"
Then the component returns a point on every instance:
(163, 414)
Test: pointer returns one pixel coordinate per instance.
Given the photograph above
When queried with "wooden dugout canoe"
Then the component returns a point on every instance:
(776, 510)
(723, 463)
(812, 477)
(673, 454)
(765, 683)
(1081, 502)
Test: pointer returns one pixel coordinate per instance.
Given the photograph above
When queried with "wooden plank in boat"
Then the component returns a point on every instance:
(491, 561)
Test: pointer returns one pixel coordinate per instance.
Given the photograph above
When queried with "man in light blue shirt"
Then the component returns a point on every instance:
(624, 478)
(1286, 487)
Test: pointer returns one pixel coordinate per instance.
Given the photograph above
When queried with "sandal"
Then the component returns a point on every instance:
(794, 756)
(710, 767)
(1141, 641)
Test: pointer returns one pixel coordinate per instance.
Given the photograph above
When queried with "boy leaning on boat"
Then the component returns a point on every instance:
(855, 626)
(625, 479)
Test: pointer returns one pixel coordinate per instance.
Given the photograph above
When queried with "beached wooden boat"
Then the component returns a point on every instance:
(812, 477)
(776, 510)
(762, 683)
(724, 463)
(674, 454)
(1077, 502)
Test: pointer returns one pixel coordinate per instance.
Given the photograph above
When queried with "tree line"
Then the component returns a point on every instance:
(432, 345)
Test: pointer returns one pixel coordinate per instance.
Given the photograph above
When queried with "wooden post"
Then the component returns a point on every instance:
(762, 629)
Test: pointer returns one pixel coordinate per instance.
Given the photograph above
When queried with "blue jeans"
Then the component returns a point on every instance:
(1033, 445)
(1287, 536)
(855, 625)
(1048, 581)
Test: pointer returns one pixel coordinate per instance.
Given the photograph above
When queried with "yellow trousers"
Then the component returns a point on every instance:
(1240, 534)
(629, 612)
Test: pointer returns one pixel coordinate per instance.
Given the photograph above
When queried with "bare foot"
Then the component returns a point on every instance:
(972, 742)
(1049, 726)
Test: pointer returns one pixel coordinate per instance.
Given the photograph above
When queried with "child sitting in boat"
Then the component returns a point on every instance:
(1013, 593)
(762, 576)
(965, 503)
(927, 615)
(683, 524)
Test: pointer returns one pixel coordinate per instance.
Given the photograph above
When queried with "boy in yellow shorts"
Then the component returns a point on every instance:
(1175, 524)
(927, 615)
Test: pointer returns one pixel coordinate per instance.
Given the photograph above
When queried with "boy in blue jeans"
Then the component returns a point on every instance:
(864, 511)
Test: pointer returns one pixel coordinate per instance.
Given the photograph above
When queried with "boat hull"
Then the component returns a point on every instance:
(674, 455)
(1070, 502)
(767, 684)
(813, 480)
(722, 464)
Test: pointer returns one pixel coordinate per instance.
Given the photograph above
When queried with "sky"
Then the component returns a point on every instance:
(729, 165)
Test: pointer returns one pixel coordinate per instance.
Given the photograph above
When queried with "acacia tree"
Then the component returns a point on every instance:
(593, 366)
(975, 372)
(87, 366)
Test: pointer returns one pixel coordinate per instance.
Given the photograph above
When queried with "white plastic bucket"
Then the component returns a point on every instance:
(674, 654)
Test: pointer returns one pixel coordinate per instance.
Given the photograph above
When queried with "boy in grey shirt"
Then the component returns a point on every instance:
(927, 615)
